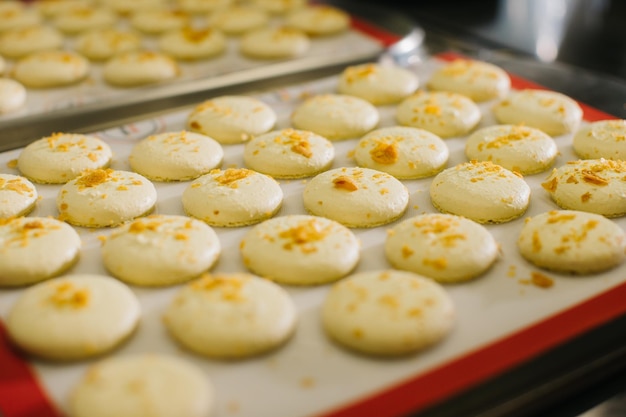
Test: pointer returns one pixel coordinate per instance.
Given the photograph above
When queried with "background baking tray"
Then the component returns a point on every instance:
(503, 320)
(92, 104)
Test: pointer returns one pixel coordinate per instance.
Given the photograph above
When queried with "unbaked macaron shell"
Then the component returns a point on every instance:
(289, 153)
(61, 157)
(591, 185)
(175, 156)
(73, 317)
(18, 196)
(232, 197)
(572, 241)
(160, 250)
(168, 383)
(387, 313)
(232, 119)
(482, 191)
(34, 249)
(445, 247)
(402, 151)
(105, 198)
(233, 316)
(300, 250)
(552, 112)
(356, 197)
(443, 113)
(336, 116)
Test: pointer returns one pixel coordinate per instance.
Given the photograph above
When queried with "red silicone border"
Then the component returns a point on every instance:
(384, 37)
(20, 392)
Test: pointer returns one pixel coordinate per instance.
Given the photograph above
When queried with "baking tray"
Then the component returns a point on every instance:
(503, 321)
(92, 104)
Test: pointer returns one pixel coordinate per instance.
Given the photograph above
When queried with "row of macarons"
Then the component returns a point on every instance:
(78, 161)
(100, 41)
(292, 250)
(18, 14)
(374, 312)
(220, 316)
(34, 46)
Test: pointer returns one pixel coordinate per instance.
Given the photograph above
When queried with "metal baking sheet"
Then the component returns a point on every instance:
(93, 104)
(502, 319)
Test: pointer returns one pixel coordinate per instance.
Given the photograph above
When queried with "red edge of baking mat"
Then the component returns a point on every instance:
(20, 392)
(484, 363)
(383, 36)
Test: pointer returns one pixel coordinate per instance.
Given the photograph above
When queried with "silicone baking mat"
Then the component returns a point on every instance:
(502, 318)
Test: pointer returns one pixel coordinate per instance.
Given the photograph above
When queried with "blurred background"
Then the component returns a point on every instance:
(586, 33)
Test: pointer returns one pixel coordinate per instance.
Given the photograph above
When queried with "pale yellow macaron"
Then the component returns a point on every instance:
(552, 112)
(279, 7)
(34, 249)
(53, 68)
(318, 19)
(129, 8)
(444, 247)
(234, 315)
(289, 153)
(13, 95)
(443, 113)
(159, 20)
(478, 80)
(239, 19)
(82, 18)
(274, 42)
(591, 185)
(232, 118)
(16, 15)
(175, 156)
(18, 43)
(336, 116)
(523, 149)
(160, 250)
(61, 157)
(402, 151)
(168, 383)
(232, 197)
(356, 197)
(572, 241)
(482, 191)
(387, 312)
(300, 250)
(378, 83)
(103, 44)
(189, 44)
(105, 198)
(601, 139)
(73, 317)
(18, 196)
(51, 8)
(139, 67)
(202, 7)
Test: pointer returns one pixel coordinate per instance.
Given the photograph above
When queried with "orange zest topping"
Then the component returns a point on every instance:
(345, 183)
(93, 178)
(385, 153)
(67, 295)
(230, 176)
